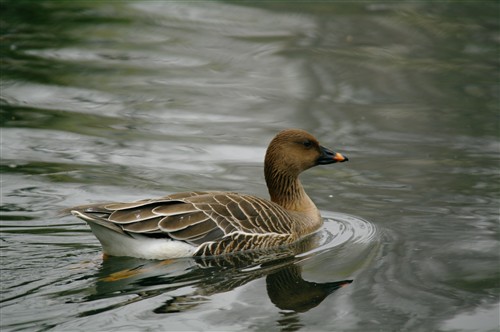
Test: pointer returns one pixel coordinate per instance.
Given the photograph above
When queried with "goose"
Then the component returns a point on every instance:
(213, 223)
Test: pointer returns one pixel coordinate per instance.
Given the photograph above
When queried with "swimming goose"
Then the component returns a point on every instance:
(214, 223)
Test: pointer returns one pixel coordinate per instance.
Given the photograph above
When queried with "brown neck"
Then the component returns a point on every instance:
(287, 191)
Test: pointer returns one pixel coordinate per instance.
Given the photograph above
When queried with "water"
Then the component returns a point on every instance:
(123, 101)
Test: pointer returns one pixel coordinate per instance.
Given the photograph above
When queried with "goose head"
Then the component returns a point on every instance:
(293, 151)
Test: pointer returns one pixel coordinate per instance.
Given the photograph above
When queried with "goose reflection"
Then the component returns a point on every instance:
(289, 291)
(285, 286)
(202, 278)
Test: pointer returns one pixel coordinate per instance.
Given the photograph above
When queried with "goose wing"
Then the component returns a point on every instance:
(216, 222)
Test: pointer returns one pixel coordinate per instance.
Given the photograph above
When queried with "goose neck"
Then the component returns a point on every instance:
(287, 190)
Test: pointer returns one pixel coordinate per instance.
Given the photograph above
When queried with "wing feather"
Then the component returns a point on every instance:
(132, 215)
(181, 221)
(144, 226)
(131, 205)
(195, 231)
(174, 209)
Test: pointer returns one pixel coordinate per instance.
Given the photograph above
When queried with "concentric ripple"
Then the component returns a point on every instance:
(345, 243)
(346, 228)
(342, 229)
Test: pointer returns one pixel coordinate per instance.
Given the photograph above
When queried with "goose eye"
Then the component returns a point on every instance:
(307, 143)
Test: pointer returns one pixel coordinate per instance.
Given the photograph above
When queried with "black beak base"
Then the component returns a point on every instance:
(329, 157)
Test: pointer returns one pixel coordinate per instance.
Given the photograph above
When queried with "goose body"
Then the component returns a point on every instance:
(217, 223)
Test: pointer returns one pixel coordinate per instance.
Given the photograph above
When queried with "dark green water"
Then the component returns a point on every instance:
(128, 100)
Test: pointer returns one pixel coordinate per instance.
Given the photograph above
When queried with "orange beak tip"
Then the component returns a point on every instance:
(340, 158)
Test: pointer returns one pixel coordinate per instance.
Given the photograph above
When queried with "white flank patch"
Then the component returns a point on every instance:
(140, 246)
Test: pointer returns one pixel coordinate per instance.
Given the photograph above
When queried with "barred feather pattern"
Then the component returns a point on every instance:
(215, 222)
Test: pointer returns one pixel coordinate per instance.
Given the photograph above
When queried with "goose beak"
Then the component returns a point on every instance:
(329, 157)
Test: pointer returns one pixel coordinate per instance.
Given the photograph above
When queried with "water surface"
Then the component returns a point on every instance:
(129, 100)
